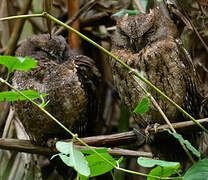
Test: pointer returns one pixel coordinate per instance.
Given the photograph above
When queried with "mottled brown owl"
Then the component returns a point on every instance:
(149, 44)
(70, 80)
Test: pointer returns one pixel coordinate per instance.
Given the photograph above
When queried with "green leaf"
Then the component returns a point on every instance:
(76, 158)
(143, 106)
(98, 166)
(17, 63)
(126, 11)
(63, 147)
(88, 151)
(147, 162)
(186, 142)
(14, 96)
(163, 172)
(198, 171)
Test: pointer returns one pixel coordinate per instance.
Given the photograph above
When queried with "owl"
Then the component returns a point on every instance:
(149, 44)
(70, 81)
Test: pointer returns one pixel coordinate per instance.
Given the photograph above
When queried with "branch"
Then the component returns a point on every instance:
(27, 147)
(17, 29)
(85, 8)
(103, 140)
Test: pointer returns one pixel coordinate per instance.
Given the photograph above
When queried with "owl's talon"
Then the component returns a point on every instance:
(51, 143)
(147, 133)
(155, 126)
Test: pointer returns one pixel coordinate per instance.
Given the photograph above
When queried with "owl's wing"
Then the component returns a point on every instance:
(90, 79)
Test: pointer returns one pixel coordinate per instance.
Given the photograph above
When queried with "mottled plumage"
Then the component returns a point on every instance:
(70, 81)
(149, 44)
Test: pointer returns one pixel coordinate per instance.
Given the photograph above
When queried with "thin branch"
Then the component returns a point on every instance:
(180, 3)
(139, 6)
(27, 146)
(85, 8)
(17, 29)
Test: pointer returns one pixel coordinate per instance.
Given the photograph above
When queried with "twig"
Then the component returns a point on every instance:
(28, 147)
(8, 122)
(17, 29)
(139, 6)
(91, 19)
(85, 8)
(192, 25)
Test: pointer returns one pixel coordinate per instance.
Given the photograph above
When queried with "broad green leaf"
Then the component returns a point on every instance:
(147, 162)
(186, 142)
(75, 159)
(14, 96)
(98, 166)
(126, 11)
(84, 178)
(163, 172)
(143, 106)
(63, 147)
(17, 63)
(199, 171)
(88, 151)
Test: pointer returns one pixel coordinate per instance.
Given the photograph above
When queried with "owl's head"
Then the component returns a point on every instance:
(135, 32)
(44, 47)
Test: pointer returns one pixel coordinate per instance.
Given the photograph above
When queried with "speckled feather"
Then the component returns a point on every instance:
(149, 44)
(153, 52)
(58, 74)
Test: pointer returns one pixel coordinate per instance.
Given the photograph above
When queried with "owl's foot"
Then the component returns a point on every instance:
(140, 136)
(51, 143)
(148, 128)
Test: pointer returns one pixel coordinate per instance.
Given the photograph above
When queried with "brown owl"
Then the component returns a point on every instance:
(149, 44)
(70, 80)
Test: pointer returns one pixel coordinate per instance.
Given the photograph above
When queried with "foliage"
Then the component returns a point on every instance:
(143, 106)
(92, 165)
(14, 96)
(86, 166)
(17, 63)
(186, 142)
(162, 169)
(73, 157)
(198, 171)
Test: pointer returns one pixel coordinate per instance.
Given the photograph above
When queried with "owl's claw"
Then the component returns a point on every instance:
(51, 143)
(148, 128)
(155, 126)
(140, 136)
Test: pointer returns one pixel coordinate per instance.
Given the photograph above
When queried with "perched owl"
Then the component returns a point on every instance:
(149, 44)
(70, 80)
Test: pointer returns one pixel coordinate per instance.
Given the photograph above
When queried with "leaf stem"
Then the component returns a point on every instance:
(22, 16)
